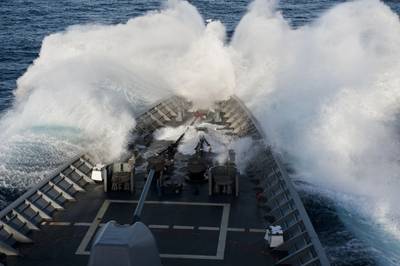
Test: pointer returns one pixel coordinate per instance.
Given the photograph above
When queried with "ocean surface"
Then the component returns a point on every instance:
(346, 234)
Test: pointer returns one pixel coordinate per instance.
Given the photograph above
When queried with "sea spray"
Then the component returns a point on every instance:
(220, 142)
(96, 78)
(327, 95)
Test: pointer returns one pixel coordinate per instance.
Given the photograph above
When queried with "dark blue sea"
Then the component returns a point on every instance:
(25, 23)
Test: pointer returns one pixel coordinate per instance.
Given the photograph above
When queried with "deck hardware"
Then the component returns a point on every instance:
(277, 195)
(291, 226)
(62, 191)
(156, 119)
(73, 183)
(17, 235)
(269, 191)
(8, 250)
(25, 220)
(293, 255)
(86, 162)
(166, 118)
(52, 202)
(82, 174)
(287, 243)
(285, 216)
(280, 206)
(36, 209)
(173, 114)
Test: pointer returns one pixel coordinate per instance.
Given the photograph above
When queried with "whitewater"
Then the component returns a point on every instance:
(326, 94)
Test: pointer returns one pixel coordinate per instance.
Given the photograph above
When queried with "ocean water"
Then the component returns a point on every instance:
(29, 150)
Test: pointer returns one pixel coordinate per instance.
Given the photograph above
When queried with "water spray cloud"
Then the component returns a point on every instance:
(327, 95)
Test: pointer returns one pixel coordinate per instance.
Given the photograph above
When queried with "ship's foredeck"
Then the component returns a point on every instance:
(190, 228)
(62, 214)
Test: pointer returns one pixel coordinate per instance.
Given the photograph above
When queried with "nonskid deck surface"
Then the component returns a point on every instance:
(190, 229)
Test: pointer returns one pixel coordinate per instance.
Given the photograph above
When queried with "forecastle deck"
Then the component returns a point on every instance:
(62, 214)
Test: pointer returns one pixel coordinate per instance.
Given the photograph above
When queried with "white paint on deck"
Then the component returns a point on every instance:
(92, 229)
(82, 224)
(59, 223)
(233, 229)
(208, 228)
(158, 226)
(223, 232)
(183, 227)
(252, 230)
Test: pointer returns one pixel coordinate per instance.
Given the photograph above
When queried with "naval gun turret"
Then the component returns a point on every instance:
(126, 245)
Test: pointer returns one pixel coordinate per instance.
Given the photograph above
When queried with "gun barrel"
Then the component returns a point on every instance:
(143, 196)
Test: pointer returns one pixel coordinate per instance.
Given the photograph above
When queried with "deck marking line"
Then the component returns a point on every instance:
(158, 226)
(172, 203)
(208, 228)
(92, 229)
(187, 256)
(59, 223)
(223, 232)
(233, 229)
(221, 239)
(183, 227)
(252, 230)
(82, 224)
